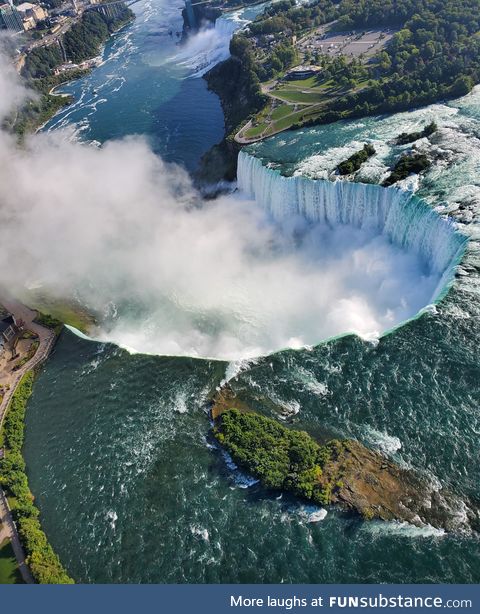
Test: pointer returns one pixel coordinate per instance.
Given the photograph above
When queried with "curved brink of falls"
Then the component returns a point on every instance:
(406, 220)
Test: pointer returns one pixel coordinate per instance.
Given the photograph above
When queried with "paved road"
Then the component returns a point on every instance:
(46, 338)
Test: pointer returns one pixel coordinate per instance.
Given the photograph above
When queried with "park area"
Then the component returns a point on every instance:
(293, 100)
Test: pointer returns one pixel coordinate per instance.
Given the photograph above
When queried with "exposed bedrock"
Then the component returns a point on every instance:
(340, 472)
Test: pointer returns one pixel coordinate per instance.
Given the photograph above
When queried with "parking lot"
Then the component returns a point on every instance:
(350, 44)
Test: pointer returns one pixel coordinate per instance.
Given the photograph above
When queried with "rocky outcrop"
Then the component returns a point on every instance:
(375, 487)
(341, 472)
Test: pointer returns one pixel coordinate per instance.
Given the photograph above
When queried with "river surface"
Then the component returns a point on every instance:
(128, 481)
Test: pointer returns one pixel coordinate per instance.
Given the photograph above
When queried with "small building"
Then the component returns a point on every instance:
(29, 23)
(302, 72)
(30, 11)
(8, 328)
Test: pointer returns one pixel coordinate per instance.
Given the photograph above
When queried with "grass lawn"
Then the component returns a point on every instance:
(298, 96)
(281, 111)
(9, 573)
(286, 122)
(64, 311)
(310, 82)
(255, 131)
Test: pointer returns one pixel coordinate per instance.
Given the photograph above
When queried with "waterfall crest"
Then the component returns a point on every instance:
(406, 220)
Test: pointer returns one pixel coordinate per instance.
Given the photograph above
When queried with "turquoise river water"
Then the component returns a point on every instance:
(119, 456)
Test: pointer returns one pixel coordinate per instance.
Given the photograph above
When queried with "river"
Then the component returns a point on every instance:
(129, 483)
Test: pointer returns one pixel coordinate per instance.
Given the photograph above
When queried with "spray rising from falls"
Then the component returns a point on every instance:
(307, 260)
(407, 221)
(233, 278)
(208, 47)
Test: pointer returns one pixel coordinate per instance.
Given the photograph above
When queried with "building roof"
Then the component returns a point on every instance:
(26, 6)
(305, 69)
(6, 322)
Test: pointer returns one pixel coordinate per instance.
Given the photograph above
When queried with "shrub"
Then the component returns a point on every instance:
(44, 564)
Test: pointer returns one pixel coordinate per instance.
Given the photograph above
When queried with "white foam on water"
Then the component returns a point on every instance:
(380, 528)
(388, 444)
(201, 532)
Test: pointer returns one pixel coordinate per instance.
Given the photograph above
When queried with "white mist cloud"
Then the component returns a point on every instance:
(129, 234)
(209, 46)
(12, 91)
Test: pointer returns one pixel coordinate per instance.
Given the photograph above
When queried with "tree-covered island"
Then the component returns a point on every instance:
(354, 162)
(342, 472)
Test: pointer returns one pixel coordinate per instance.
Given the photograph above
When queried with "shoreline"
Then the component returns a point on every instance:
(47, 338)
(76, 77)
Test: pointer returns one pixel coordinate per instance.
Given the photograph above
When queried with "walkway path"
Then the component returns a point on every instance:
(46, 338)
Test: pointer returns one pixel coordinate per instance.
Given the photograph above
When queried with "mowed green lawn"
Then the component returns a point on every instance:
(9, 573)
(282, 111)
(294, 95)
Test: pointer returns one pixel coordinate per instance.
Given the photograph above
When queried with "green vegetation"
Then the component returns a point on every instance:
(41, 61)
(347, 167)
(409, 137)
(47, 320)
(36, 112)
(281, 111)
(39, 110)
(281, 458)
(81, 42)
(9, 572)
(41, 559)
(415, 163)
(54, 312)
(84, 39)
(434, 55)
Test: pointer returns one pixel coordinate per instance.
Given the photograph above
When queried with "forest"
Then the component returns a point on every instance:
(280, 457)
(84, 39)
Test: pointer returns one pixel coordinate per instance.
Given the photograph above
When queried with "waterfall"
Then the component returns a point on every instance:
(226, 27)
(207, 47)
(405, 219)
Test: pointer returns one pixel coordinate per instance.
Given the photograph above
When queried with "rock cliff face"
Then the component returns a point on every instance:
(231, 81)
(343, 473)
(231, 85)
(239, 96)
(204, 14)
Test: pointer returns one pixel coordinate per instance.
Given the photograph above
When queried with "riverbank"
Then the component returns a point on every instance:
(39, 111)
(303, 67)
(36, 559)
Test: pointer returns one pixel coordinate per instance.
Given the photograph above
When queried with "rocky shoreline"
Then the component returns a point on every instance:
(343, 473)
